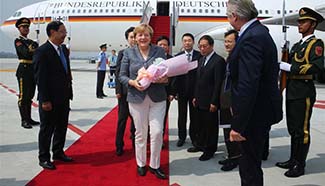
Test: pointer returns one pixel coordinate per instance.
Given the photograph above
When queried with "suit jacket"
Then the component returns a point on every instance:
(208, 82)
(132, 61)
(183, 85)
(119, 87)
(54, 83)
(256, 99)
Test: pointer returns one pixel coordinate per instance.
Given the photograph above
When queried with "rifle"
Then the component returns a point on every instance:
(285, 51)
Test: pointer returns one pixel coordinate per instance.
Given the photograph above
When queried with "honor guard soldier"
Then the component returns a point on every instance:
(306, 58)
(25, 74)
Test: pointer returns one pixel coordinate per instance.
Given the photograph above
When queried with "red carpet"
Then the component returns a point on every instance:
(96, 163)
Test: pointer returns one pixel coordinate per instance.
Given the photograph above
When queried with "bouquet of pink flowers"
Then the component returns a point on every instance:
(171, 67)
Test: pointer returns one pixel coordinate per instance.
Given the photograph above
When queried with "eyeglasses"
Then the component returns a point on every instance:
(203, 46)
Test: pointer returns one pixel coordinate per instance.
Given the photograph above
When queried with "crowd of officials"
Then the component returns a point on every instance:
(240, 91)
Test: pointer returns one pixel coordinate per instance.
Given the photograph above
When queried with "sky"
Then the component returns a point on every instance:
(7, 9)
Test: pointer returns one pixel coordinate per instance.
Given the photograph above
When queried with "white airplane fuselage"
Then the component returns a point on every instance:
(92, 22)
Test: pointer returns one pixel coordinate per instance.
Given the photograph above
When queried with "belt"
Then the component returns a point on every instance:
(27, 61)
(303, 77)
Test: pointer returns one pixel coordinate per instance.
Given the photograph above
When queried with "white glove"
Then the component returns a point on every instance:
(285, 66)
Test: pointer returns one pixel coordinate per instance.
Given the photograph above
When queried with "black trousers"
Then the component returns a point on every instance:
(100, 82)
(166, 116)
(26, 85)
(183, 101)
(232, 147)
(54, 125)
(250, 170)
(208, 131)
(123, 114)
(299, 112)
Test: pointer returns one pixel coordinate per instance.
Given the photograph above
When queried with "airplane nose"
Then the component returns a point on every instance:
(9, 29)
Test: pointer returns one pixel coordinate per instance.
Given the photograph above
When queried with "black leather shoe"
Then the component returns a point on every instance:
(100, 97)
(26, 125)
(119, 151)
(285, 165)
(104, 95)
(63, 158)
(158, 172)
(180, 143)
(205, 156)
(32, 122)
(224, 162)
(47, 165)
(193, 149)
(295, 171)
(230, 165)
(141, 170)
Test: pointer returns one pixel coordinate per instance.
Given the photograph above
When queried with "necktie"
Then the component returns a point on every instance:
(63, 60)
(188, 56)
(227, 84)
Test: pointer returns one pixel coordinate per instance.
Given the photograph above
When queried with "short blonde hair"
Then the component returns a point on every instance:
(142, 28)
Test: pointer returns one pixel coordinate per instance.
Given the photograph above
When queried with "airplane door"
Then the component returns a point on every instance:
(163, 8)
(40, 13)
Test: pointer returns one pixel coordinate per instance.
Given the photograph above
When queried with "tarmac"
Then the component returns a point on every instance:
(19, 146)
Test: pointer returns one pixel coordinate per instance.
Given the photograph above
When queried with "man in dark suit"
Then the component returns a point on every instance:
(256, 100)
(53, 78)
(163, 41)
(209, 78)
(183, 88)
(121, 94)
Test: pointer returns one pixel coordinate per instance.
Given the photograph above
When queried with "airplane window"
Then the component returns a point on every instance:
(101, 11)
(62, 11)
(194, 10)
(279, 11)
(182, 10)
(212, 10)
(218, 10)
(84, 11)
(206, 11)
(73, 11)
(188, 10)
(290, 11)
(123, 10)
(118, 10)
(95, 11)
(200, 10)
(112, 10)
(19, 14)
(135, 10)
(89, 11)
(68, 11)
(79, 10)
(106, 10)
(58, 11)
(53, 11)
(266, 11)
(260, 11)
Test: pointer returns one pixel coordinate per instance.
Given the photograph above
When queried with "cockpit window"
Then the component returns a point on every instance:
(17, 14)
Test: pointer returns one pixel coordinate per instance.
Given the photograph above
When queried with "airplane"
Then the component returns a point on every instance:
(93, 22)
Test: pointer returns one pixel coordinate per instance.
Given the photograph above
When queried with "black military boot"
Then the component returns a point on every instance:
(297, 170)
(23, 114)
(291, 162)
(29, 115)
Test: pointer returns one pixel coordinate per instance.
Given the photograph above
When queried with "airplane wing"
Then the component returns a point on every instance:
(291, 19)
(216, 32)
